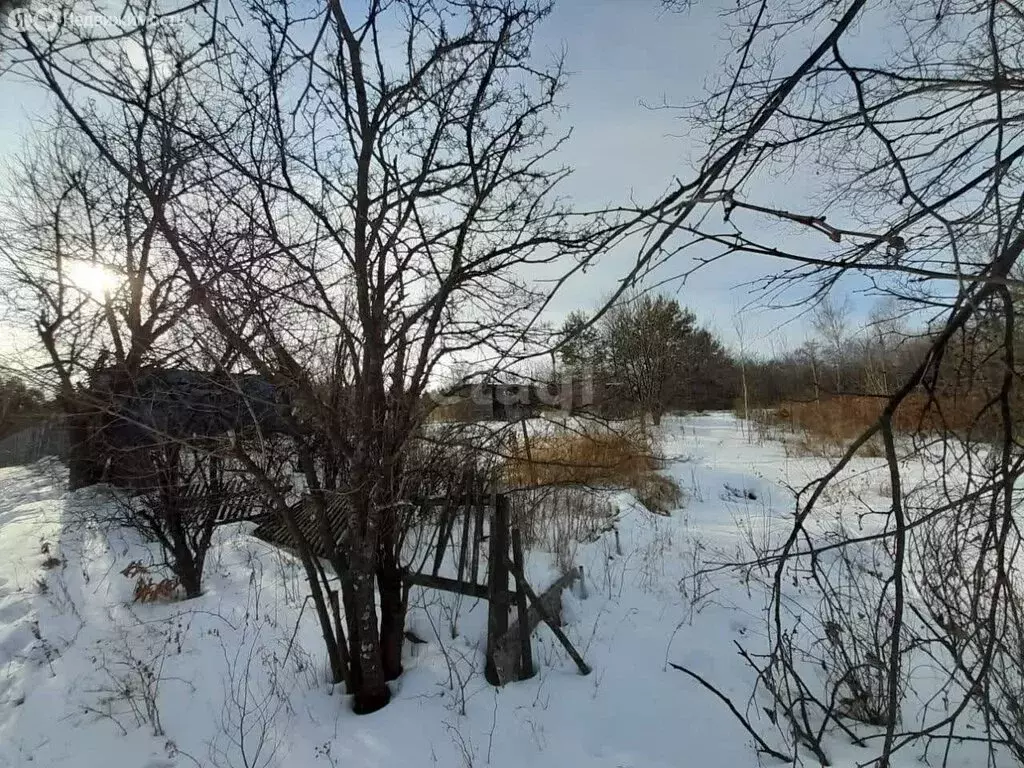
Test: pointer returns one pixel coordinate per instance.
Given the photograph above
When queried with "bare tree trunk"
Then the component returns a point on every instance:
(371, 691)
(396, 294)
(817, 385)
(189, 573)
(743, 383)
(392, 613)
(318, 589)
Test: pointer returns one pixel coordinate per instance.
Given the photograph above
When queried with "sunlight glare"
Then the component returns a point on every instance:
(92, 279)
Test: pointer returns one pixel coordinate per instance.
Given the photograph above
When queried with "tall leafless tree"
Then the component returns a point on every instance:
(86, 270)
(831, 320)
(920, 134)
(373, 188)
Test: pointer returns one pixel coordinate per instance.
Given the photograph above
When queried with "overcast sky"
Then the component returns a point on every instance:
(623, 57)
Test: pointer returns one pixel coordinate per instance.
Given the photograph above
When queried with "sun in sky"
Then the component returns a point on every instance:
(92, 279)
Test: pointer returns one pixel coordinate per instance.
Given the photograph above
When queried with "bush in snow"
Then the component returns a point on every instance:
(177, 497)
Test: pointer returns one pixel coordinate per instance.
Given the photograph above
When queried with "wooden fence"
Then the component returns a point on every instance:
(462, 526)
(39, 441)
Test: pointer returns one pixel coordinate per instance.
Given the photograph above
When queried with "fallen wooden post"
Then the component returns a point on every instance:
(508, 653)
(448, 585)
(583, 667)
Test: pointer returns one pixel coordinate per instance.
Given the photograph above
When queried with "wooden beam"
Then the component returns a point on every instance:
(497, 586)
(444, 532)
(448, 585)
(464, 542)
(478, 536)
(459, 501)
(583, 667)
(525, 651)
(509, 648)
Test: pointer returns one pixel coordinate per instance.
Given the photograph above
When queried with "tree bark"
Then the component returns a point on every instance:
(392, 614)
(189, 576)
(83, 469)
(371, 690)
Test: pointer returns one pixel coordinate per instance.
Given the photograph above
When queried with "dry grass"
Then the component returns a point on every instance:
(559, 483)
(461, 410)
(559, 518)
(609, 458)
(621, 458)
(659, 493)
(829, 425)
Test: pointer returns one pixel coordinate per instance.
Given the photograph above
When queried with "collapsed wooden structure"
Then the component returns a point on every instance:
(122, 415)
(475, 536)
(462, 526)
(138, 414)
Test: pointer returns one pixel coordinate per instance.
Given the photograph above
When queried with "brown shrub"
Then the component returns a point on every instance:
(146, 589)
(611, 458)
(832, 423)
(617, 458)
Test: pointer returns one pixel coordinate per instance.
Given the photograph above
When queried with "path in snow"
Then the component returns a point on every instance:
(30, 515)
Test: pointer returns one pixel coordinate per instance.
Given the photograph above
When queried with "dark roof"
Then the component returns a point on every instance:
(181, 404)
(499, 400)
(510, 391)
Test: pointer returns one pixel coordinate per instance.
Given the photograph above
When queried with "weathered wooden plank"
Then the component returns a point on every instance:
(444, 532)
(478, 536)
(464, 543)
(525, 651)
(546, 616)
(508, 652)
(497, 585)
(459, 501)
(468, 589)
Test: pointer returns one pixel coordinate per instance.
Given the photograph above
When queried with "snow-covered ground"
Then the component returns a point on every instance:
(236, 678)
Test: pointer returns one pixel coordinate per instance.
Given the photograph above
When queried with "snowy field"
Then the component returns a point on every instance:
(234, 678)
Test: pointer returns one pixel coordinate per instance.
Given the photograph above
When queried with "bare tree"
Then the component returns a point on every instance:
(178, 496)
(831, 321)
(921, 141)
(370, 188)
(643, 336)
(886, 335)
(86, 270)
(660, 355)
(740, 327)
